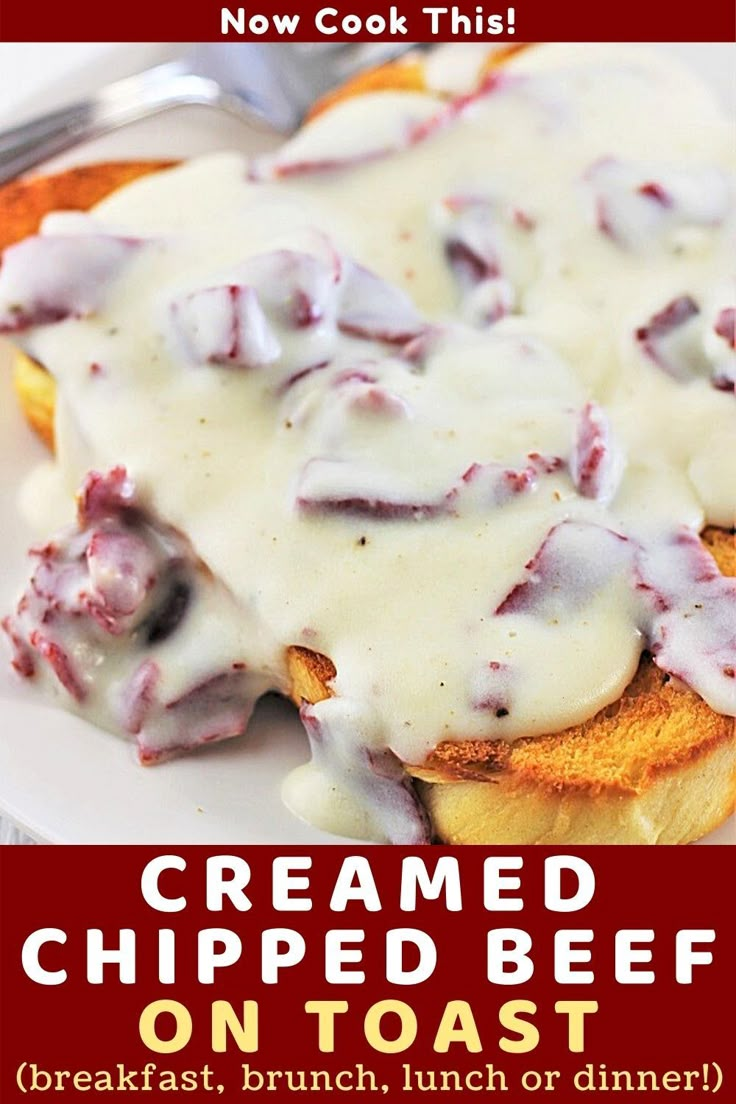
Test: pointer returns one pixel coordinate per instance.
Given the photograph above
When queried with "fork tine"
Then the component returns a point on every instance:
(289, 77)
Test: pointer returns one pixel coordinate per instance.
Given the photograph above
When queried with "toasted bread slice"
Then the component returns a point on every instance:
(659, 766)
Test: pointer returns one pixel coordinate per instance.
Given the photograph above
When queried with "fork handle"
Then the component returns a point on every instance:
(22, 147)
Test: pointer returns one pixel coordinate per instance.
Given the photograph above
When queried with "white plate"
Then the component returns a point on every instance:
(61, 779)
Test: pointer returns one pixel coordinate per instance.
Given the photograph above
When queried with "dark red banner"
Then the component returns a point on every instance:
(517, 971)
(366, 21)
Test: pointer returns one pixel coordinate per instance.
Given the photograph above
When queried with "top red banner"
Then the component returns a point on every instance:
(367, 21)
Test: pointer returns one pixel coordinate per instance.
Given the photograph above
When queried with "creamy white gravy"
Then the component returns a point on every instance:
(603, 175)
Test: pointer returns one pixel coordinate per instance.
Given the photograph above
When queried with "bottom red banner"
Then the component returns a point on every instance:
(384, 970)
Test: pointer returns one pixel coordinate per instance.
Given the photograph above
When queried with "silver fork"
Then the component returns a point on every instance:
(269, 85)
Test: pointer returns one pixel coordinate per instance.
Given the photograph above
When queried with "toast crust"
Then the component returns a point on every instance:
(408, 74)
(24, 203)
(36, 392)
(658, 766)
